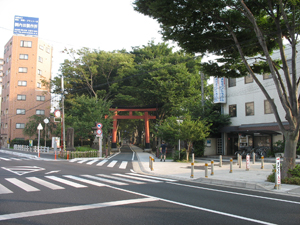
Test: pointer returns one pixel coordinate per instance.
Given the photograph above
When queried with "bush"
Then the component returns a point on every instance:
(295, 179)
(182, 155)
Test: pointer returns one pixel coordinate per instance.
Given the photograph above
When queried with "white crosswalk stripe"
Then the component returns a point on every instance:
(67, 182)
(92, 162)
(102, 162)
(123, 165)
(21, 184)
(5, 159)
(99, 180)
(112, 163)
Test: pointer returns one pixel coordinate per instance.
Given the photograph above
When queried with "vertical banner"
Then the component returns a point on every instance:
(219, 90)
(277, 175)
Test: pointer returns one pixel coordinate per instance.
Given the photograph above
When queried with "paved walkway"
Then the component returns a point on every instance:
(255, 178)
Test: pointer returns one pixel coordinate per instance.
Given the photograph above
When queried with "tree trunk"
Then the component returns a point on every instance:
(289, 160)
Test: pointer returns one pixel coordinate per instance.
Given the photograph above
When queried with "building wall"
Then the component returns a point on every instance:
(243, 93)
(39, 59)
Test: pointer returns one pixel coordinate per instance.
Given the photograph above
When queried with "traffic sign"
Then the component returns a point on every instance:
(99, 125)
(99, 132)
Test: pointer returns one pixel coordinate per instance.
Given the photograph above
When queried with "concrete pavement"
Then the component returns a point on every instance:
(255, 178)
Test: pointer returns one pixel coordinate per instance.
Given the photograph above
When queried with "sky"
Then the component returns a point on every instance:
(97, 24)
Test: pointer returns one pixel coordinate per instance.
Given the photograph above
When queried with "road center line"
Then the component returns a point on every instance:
(73, 208)
(235, 193)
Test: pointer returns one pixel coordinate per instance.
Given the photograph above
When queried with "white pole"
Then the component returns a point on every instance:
(179, 149)
(39, 143)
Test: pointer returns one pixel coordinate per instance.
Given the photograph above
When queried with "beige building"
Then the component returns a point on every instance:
(27, 63)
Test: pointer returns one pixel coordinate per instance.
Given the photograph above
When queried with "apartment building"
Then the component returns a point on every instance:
(27, 63)
(252, 120)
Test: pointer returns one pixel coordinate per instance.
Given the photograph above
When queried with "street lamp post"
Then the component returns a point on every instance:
(40, 127)
(46, 121)
(179, 122)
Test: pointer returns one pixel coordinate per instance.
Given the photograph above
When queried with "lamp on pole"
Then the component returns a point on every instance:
(40, 127)
(46, 121)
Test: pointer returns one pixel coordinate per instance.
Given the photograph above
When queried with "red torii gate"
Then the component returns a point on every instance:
(146, 118)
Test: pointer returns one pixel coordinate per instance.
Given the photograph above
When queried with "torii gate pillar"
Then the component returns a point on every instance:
(146, 118)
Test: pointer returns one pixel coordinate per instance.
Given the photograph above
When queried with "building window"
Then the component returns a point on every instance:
(231, 82)
(249, 108)
(41, 47)
(5, 126)
(267, 76)
(40, 98)
(23, 69)
(232, 110)
(6, 111)
(38, 85)
(248, 79)
(26, 44)
(48, 50)
(40, 59)
(267, 107)
(20, 111)
(21, 97)
(40, 112)
(20, 125)
(22, 83)
(7, 98)
(23, 56)
(39, 72)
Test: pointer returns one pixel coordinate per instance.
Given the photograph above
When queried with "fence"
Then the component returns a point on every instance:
(31, 149)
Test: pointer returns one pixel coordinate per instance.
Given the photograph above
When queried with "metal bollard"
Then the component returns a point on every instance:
(212, 167)
(192, 166)
(206, 170)
(238, 159)
(231, 160)
(262, 162)
(253, 157)
(241, 160)
(220, 158)
(150, 162)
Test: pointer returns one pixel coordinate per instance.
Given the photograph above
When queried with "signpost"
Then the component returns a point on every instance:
(26, 26)
(46, 121)
(277, 175)
(99, 134)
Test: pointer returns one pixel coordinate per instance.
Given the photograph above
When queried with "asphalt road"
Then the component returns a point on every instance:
(34, 191)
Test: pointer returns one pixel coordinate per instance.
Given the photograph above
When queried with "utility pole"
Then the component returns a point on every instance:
(63, 113)
(202, 90)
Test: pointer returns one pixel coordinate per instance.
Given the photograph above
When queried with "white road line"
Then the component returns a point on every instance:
(73, 208)
(112, 163)
(102, 162)
(16, 159)
(120, 178)
(4, 190)
(73, 160)
(236, 193)
(105, 180)
(85, 180)
(157, 178)
(132, 156)
(114, 155)
(5, 159)
(93, 161)
(22, 185)
(137, 178)
(45, 183)
(82, 161)
(67, 182)
(123, 165)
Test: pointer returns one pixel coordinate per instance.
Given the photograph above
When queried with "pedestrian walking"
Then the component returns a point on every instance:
(163, 149)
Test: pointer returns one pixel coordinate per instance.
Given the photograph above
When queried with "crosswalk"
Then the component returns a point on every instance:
(22, 158)
(101, 162)
(34, 184)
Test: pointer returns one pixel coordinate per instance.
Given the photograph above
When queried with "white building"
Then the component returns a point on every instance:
(252, 120)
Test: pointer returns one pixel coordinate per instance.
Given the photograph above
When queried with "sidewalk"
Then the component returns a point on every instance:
(255, 178)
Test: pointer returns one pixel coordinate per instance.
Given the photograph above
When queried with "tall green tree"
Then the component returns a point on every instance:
(239, 31)
(31, 126)
(84, 112)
